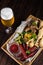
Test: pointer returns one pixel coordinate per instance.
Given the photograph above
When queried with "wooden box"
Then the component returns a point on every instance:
(18, 61)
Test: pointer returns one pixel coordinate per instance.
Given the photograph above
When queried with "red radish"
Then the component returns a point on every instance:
(23, 51)
(32, 49)
(13, 48)
(32, 54)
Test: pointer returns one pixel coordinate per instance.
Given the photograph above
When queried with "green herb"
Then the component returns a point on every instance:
(18, 38)
(34, 23)
(20, 34)
(22, 40)
(19, 42)
(27, 52)
(33, 36)
(23, 32)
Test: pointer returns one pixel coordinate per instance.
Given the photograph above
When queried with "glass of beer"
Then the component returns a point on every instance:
(7, 18)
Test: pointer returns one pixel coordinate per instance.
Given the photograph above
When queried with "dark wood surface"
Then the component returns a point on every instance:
(22, 9)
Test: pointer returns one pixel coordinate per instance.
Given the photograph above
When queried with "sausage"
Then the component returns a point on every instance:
(23, 51)
(32, 54)
(32, 49)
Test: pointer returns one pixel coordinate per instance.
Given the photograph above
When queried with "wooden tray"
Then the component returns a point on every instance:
(19, 62)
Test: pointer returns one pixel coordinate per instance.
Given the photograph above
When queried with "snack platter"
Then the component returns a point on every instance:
(23, 46)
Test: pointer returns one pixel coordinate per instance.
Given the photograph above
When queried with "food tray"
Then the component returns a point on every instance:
(6, 51)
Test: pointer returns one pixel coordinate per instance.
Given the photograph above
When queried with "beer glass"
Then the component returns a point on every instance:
(7, 18)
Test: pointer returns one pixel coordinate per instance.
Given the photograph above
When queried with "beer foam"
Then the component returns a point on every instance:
(6, 13)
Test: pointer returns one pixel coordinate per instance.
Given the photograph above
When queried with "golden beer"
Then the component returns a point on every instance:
(7, 23)
(7, 17)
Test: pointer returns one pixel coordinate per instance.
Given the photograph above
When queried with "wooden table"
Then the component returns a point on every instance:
(22, 9)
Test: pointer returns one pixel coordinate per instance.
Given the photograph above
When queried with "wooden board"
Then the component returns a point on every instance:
(19, 62)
